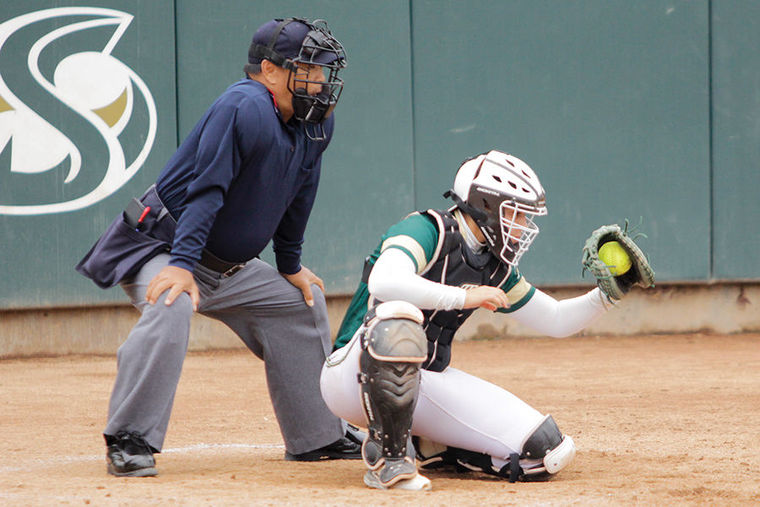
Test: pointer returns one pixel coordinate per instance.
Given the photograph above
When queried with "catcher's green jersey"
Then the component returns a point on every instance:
(418, 236)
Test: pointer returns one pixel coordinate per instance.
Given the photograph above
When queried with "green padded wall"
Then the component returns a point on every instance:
(607, 100)
(366, 173)
(736, 139)
(647, 109)
(91, 53)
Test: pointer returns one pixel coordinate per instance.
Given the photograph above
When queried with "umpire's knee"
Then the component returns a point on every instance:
(319, 297)
(172, 322)
(160, 328)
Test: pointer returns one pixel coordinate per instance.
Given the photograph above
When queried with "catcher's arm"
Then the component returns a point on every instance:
(615, 287)
(563, 318)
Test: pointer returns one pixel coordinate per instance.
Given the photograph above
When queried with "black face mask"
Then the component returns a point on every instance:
(312, 108)
(319, 48)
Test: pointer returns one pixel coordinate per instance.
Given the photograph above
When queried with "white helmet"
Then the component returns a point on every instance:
(493, 188)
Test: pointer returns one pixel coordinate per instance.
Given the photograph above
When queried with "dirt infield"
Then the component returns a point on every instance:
(657, 420)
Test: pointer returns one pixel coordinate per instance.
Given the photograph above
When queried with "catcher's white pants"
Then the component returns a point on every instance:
(454, 408)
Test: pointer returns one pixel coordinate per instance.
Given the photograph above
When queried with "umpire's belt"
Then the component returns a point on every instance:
(214, 263)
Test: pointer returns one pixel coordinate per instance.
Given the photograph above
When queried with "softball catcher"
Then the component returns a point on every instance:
(389, 370)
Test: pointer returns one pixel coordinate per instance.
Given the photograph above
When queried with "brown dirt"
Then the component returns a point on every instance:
(656, 419)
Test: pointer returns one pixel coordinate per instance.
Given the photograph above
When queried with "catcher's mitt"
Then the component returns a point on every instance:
(615, 287)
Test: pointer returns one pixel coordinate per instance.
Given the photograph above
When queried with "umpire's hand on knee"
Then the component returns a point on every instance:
(177, 280)
(303, 280)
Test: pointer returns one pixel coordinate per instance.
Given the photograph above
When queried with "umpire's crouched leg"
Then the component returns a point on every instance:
(149, 367)
(271, 317)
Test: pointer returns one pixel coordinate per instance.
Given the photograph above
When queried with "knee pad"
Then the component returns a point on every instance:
(561, 456)
(394, 346)
(547, 443)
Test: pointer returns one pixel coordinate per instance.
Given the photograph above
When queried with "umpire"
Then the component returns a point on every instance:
(246, 174)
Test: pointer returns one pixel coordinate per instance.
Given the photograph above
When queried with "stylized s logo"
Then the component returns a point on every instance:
(100, 94)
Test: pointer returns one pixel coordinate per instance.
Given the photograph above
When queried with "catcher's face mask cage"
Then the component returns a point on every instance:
(502, 194)
(518, 230)
(319, 49)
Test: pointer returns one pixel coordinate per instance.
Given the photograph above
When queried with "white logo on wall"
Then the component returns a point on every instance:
(96, 86)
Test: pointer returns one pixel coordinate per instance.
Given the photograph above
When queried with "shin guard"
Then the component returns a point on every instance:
(394, 346)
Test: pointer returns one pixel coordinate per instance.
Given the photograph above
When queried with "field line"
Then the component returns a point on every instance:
(20, 465)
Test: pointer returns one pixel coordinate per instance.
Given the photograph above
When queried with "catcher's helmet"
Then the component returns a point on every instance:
(493, 188)
(293, 41)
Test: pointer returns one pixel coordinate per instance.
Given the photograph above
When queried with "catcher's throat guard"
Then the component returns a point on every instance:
(394, 346)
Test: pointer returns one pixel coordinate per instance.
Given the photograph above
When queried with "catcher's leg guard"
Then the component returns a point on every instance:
(547, 443)
(393, 348)
(545, 451)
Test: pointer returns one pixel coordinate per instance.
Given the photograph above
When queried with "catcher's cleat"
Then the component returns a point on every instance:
(129, 455)
(417, 483)
(343, 448)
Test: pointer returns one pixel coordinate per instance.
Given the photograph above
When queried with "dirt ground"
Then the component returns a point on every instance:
(657, 420)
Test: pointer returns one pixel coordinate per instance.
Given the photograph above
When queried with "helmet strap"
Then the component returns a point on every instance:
(267, 52)
(479, 216)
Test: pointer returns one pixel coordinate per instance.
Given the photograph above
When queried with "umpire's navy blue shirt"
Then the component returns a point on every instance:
(241, 178)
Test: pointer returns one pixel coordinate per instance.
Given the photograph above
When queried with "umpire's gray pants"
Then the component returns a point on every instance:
(270, 316)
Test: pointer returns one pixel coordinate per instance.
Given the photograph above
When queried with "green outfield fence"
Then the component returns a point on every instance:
(646, 109)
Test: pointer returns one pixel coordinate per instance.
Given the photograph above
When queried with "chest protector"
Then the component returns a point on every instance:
(454, 263)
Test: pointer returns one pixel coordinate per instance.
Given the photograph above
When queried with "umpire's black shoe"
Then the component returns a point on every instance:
(355, 434)
(129, 455)
(343, 448)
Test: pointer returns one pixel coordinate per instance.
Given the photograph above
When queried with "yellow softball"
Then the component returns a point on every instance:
(616, 258)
